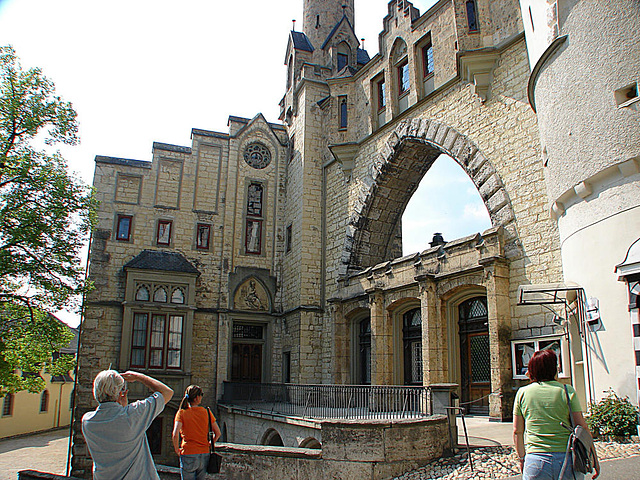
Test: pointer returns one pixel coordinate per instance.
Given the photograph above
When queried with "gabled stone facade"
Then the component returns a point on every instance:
(288, 237)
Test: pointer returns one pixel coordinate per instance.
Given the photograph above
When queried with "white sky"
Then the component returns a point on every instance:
(139, 71)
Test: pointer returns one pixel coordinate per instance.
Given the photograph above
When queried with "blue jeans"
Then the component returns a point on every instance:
(547, 466)
(193, 467)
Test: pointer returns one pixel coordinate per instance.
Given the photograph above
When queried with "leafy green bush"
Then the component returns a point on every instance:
(613, 416)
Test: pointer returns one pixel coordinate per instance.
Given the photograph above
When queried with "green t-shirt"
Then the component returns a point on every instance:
(544, 406)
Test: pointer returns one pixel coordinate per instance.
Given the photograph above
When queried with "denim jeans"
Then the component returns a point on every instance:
(547, 466)
(193, 467)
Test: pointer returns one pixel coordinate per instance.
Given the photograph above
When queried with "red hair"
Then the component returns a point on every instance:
(543, 366)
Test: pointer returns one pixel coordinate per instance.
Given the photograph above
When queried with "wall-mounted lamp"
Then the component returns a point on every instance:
(593, 315)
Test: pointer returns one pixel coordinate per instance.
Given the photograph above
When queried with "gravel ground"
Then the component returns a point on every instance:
(498, 462)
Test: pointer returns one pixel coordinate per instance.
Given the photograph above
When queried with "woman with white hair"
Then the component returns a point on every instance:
(116, 431)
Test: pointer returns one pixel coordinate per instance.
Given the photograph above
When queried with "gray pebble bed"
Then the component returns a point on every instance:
(498, 462)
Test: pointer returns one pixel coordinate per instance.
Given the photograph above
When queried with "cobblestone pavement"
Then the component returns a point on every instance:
(45, 451)
(498, 463)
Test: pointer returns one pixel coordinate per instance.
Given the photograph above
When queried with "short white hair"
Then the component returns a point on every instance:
(107, 386)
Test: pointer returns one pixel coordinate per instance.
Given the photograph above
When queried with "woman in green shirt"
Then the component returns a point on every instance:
(539, 412)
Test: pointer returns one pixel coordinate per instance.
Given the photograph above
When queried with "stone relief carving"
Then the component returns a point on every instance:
(251, 295)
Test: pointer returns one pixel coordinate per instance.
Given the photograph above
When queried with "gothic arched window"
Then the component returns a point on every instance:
(142, 294)
(472, 16)
(160, 295)
(177, 296)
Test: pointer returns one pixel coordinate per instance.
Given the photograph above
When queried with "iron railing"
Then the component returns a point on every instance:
(330, 401)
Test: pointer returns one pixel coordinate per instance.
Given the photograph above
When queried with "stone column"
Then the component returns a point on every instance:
(434, 336)
(341, 344)
(496, 271)
(381, 341)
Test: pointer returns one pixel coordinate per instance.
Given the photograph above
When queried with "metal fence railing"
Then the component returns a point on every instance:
(330, 401)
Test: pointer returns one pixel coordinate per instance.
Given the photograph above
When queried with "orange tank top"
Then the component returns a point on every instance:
(194, 430)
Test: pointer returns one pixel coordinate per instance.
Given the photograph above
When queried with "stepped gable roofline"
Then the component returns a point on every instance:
(208, 133)
(335, 29)
(161, 261)
(122, 161)
(171, 148)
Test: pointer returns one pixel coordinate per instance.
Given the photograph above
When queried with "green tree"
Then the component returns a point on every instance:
(45, 217)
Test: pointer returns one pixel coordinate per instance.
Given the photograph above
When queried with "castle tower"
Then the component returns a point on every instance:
(320, 16)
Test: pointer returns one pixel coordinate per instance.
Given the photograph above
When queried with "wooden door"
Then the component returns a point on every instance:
(246, 362)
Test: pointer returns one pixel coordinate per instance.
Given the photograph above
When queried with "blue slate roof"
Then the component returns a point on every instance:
(363, 57)
(162, 261)
(301, 42)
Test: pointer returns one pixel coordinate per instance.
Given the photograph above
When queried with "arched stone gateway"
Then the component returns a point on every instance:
(394, 175)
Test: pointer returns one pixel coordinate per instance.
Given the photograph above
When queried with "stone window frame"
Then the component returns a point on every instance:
(169, 280)
(120, 217)
(44, 401)
(260, 220)
(343, 112)
(197, 239)
(535, 344)
(379, 100)
(7, 405)
(402, 67)
(472, 16)
(148, 347)
(343, 55)
(288, 240)
(166, 238)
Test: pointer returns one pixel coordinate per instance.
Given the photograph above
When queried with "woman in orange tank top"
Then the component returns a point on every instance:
(193, 425)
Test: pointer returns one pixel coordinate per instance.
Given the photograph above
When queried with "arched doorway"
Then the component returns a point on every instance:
(475, 363)
(412, 346)
(364, 351)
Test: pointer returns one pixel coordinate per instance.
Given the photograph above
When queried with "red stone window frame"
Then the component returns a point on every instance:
(427, 60)
(123, 227)
(203, 236)
(163, 232)
(404, 81)
(157, 344)
(381, 89)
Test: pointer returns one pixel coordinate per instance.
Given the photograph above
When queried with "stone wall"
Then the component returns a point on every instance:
(350, 450)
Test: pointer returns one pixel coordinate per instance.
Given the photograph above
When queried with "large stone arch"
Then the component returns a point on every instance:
(394, 175)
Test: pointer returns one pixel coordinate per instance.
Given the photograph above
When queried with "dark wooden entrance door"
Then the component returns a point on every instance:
(246, 362)
(475, 357)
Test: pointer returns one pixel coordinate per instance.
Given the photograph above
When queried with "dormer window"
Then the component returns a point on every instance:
(343, 55)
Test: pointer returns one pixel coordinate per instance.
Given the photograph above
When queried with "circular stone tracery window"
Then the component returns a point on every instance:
(257, 155)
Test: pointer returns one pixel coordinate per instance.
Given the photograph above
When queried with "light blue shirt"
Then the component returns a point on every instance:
(117, 440)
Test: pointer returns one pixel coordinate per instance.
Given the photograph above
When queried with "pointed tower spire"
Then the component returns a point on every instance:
(320, 16)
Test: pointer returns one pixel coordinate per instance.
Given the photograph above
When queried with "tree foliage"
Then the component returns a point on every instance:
(45, 217)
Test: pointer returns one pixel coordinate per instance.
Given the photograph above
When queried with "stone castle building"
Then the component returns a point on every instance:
(271, 253)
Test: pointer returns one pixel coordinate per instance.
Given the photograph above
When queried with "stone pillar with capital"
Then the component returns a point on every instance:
(434, 335)
(496, 272)
(381, 341)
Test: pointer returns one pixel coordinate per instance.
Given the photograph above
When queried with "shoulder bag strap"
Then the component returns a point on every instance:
(569, 453)
(210, 435)
(566, 392)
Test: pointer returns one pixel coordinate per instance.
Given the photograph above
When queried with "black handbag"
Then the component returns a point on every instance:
(215, 459)
(580, 447)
